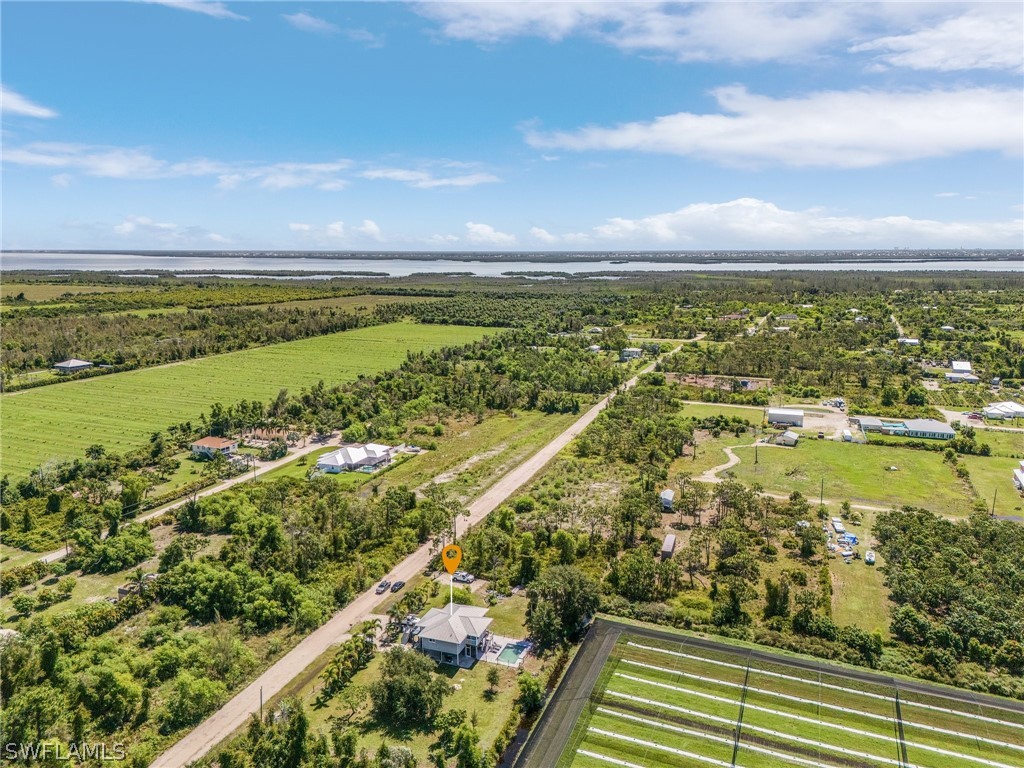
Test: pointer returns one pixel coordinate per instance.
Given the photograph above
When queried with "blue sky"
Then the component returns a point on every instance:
(511, 126)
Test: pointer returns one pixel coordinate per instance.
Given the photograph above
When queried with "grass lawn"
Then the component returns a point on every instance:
(509, 616)
(121, 410)
(188, 471)
(753, 414)
(859, 596)
(857, 473)
(298, 467)
(709, 454)
(469, 694)
(992, 477)
(1002, 443)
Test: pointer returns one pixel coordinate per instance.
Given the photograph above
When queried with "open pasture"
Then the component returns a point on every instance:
(659, 703)
(120, 411)
(858, 473)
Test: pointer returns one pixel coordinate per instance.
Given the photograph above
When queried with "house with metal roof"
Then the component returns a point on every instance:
(455, 634)
(355, 457)
(74, 365)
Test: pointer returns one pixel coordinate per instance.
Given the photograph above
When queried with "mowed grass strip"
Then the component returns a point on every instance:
(122, 410)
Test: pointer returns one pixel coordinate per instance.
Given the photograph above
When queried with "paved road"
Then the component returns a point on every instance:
(555, 727)
(236, 712)
(261, 469)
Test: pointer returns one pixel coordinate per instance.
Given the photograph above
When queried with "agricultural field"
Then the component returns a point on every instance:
(122, 410)
(361, 304)
(47, 291)
(659, 702)
(857, 473)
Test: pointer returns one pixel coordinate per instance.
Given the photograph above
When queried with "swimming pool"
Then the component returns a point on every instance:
(512, 652)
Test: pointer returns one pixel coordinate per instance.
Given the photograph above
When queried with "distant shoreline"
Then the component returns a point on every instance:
(617, 257)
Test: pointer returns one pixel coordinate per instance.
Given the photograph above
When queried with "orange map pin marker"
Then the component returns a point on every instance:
(451, 556)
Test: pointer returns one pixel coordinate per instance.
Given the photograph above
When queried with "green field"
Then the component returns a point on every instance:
(121, 410)
(992, 478)
(857, 473)
(659, 703)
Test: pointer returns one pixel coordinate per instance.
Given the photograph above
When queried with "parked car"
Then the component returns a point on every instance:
(463, 578)
(397, 586)
(383, 587)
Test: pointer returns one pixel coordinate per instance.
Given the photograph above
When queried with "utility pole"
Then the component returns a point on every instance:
(821, 498)
(261, 703)
(994, 494)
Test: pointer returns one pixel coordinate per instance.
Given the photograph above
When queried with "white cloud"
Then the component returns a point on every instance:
(368, 229)
(443, 239)
(206, 7)
(337, 233)
(61, 180)
(219, 238)
(287, 176)
(485, 234)
(539, 233)
(844, 129)
(139, 163)
(947, 194)
(308, 23)
(425, 180)
(987, 36)
(942, 36)
(752, 223)
(13, 103)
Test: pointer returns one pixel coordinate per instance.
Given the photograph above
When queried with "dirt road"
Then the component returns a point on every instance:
(235, 712)
(261, 469)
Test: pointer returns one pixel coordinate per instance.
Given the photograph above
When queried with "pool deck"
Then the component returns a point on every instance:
(497, 645)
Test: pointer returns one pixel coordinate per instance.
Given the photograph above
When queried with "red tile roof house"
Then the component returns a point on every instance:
(209, 446)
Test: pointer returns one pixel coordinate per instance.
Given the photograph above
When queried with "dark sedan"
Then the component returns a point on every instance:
(397, 586)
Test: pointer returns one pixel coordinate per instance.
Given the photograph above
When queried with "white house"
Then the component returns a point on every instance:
(908, 341)
(74, 365)
(960, 366)
(211, 446)
(962, 378)
(668, 546)
(455, 634)
(355, 456)
(630, 353)
(789, 416)
(1004, 410)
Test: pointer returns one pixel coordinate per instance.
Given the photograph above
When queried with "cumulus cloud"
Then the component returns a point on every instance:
(985, 37)
(299, 227)
(61, 180)
(485, 234)
(218, 10)
(309, 23)
(13, 103)
(539, 233)
(425, 180)
(753, 223)
(368, 228)
(840, 129)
